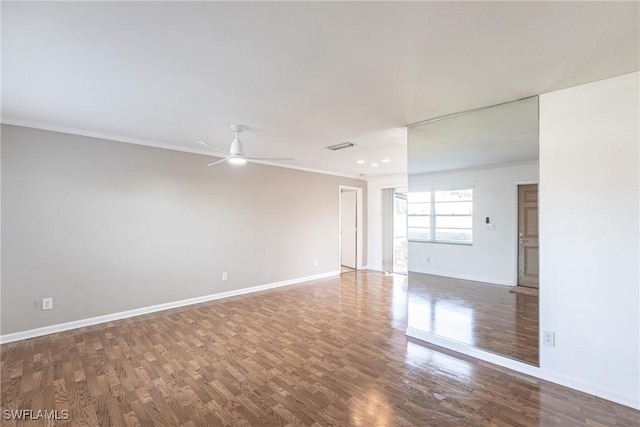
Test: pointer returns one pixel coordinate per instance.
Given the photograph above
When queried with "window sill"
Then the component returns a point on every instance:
(440, 242)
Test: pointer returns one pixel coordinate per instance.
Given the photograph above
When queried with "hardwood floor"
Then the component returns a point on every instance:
(328, 352)
(482, 315)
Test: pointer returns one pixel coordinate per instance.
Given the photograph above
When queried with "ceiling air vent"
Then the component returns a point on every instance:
(341, 146)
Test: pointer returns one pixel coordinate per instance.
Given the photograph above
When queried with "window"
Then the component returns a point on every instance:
(440, 216)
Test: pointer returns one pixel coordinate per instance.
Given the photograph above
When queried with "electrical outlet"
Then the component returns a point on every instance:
(549, 338)
(428, 259)
(315, 263)
(47, 303)
(225, 276)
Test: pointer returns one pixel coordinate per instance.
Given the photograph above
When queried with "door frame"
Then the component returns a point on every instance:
(517, 185)
(359, 220)
(396, 190)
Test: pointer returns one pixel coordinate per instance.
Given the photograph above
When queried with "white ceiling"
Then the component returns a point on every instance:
(499, 135)
(301, 76)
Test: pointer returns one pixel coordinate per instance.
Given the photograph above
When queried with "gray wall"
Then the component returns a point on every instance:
(104, 226)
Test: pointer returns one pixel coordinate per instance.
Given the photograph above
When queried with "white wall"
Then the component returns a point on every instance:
(589, 218)
(589, 228)
(493, 256)
(375, 185)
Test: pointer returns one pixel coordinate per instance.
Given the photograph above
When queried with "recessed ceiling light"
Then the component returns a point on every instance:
(361, 162)
(374, 165)
(386, 160)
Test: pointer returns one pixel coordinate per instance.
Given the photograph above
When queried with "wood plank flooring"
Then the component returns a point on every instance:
(482, 315)
(345, 269)
(326, 353)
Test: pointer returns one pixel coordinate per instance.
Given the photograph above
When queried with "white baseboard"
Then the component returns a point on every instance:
(461, 276)
(60, 327)
(524, 368)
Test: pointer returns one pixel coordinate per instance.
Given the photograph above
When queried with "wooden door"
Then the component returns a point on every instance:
(528, 235)
(348, 229)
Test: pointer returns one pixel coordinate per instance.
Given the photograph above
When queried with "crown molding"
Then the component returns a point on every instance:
(137, 141)
(304, 169)
(101, 135)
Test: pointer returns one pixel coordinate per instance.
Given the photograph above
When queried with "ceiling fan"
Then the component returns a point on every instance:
(236, 155)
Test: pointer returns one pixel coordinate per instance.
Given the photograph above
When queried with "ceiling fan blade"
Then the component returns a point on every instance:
(204, 144)
(219, 161)
(268, 158)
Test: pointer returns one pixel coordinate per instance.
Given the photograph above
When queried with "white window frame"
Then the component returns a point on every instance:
(432, 219)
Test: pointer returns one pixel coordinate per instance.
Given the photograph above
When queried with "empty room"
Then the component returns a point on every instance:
(320, 213)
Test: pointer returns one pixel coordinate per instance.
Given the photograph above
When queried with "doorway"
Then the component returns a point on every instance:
(400, 249)
(350, 233)
(394, 231)
(528, 264)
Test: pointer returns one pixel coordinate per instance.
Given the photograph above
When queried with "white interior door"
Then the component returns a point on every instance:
(348, 229)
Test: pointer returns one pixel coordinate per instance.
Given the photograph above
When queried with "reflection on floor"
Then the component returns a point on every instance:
(326, 352)
(485, 316)
(345, 269)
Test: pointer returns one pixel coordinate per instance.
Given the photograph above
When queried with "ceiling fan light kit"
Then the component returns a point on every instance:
(237, 160)
(236, 155)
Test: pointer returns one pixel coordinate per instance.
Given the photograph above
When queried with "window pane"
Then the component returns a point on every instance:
(419, 221)
(419, 233)
(454, 208)
(419, 208)
(453, 235)
(453, 222)
(454, 196)
(419, 197)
